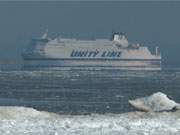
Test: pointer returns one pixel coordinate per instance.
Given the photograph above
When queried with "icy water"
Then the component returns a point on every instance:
(79, 92)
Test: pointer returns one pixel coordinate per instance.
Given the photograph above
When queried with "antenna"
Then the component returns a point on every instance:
(44, 36)
(157, 51)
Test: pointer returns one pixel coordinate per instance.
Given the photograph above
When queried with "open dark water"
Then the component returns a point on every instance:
(84, 91)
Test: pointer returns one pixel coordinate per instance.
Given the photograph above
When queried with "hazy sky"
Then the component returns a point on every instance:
(149, 23)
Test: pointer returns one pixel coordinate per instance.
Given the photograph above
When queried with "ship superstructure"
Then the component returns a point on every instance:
(62, 53)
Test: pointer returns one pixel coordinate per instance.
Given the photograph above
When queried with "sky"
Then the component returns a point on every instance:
(148, 23)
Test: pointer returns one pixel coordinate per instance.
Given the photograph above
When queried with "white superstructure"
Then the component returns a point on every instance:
(62, 53)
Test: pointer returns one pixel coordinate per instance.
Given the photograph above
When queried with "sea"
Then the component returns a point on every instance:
(85, 91)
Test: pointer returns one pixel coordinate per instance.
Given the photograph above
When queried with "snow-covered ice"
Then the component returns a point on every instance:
(29, 121)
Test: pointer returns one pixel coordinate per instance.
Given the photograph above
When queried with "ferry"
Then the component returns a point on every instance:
(98, 54)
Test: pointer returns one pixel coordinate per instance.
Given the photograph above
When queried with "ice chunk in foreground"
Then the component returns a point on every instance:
(156, 102)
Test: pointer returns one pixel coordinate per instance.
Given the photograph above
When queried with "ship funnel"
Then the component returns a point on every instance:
(120, 40)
